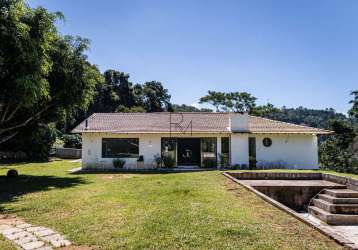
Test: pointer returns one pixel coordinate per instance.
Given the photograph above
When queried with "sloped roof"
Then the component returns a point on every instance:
(197, 122)
(156, 122)
(263, 125)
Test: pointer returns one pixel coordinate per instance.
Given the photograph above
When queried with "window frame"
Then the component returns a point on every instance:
(267, 139)
(122, 154)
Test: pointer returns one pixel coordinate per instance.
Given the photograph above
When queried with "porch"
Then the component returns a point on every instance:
(195, 152)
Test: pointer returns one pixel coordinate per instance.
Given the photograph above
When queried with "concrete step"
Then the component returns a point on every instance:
(333, 219)
(335, 200)
(341, 193)
(336, 208)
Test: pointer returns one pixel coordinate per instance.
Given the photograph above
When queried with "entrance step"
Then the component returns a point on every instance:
(336, 208)
(333, 219)
(341, 193)
(335, 200)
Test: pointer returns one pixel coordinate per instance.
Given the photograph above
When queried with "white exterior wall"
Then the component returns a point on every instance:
(288, 150)
(149, 145)
(239, 148)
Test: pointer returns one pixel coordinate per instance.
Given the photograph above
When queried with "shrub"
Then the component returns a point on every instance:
(119, 163)
(168, 161)
(37, 145)
(157, 160)
(209, 162)
(244, 166)
(224, 161)
(12, 173)
(72, 141)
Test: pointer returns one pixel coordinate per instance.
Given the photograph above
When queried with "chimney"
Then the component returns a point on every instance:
(86, 124)
(239, 122)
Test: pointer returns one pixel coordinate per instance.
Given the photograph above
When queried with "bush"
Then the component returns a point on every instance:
(12, 173)
(168, 161)
(37, 143)
(119, 163)
(209, 162)
(157, 160)
(72, 141)
(224, 161)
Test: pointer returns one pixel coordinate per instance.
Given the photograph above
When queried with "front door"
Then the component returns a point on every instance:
(189, 151)
(252, 152)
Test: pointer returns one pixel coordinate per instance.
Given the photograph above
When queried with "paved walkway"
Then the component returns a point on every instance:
(349, 233)
(30, 237)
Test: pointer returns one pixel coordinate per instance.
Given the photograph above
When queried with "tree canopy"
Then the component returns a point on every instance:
(354, 110)
(44, 76)
(232, 101)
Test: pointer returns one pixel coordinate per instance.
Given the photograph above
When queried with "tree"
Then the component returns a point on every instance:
(354, 110)
(232, 101)
(44, 76)
(188, 108)
(154, 97)
(264, 110)
(217, 99)
(240, 102)
(336, 152)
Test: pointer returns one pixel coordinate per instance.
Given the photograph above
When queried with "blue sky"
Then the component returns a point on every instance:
(292, 53)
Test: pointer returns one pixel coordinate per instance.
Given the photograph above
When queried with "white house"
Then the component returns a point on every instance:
(196, 139)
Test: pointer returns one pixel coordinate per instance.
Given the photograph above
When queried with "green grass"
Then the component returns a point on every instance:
(158, 211)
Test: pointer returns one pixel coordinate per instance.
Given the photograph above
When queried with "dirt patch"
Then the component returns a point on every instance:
(116, 176)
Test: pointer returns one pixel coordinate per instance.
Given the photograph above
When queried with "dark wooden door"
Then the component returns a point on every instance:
(252, 152)
(189, 151)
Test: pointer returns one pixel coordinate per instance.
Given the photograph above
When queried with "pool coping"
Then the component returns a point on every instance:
(321, 228)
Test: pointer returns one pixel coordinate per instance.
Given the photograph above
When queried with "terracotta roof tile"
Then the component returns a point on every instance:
(263, 125)
(200, 122)
(155, 122)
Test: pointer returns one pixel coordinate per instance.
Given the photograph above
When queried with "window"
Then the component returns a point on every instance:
(225, 145)
(169, 147)
(208, 147)
(267, 142)
(120, 147)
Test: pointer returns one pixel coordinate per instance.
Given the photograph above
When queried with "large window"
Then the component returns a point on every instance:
(120, 147)
(169, 147)
(208, 147)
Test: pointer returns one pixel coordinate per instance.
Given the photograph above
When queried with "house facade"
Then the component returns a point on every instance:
(195, 139)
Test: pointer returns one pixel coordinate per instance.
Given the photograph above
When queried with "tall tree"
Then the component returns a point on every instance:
(232, 101)
(265, 110)
(336, 152)
(354, 110)
(240, 102)
(155, 97)
(217, 99)
(42, 74)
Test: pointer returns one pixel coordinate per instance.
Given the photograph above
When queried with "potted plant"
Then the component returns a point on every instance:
(157, 160)
(118, 163)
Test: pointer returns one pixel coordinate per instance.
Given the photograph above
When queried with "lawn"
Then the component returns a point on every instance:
(157, 211)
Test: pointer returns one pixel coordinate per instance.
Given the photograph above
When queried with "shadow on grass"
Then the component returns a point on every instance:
(13, 188)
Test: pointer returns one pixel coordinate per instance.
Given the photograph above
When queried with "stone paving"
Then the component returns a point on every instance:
(349, 233)
(30, 237)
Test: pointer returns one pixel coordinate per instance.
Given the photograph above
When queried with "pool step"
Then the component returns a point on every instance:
(335, 200)
(341, 193)
(336, 208)
(333, 219)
